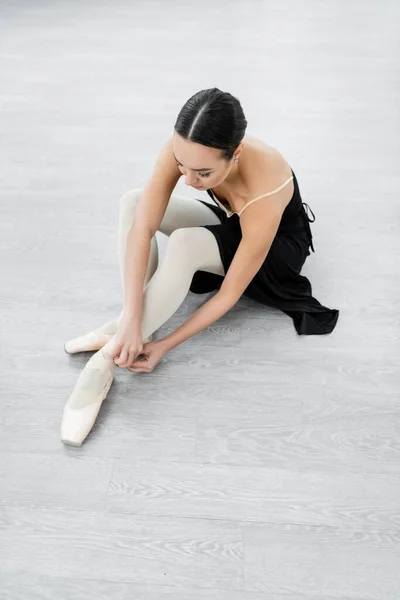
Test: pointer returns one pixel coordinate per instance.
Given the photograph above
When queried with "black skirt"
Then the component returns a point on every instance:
(278, 283)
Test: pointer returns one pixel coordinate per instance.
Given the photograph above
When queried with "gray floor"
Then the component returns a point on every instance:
(253, 463)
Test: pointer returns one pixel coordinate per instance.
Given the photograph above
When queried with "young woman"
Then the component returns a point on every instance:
(253, 240)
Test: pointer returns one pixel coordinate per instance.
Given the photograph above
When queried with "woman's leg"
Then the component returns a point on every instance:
(180, 213)
(188, 250)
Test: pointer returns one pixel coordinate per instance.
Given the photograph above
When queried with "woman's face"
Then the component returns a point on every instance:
(202, 166)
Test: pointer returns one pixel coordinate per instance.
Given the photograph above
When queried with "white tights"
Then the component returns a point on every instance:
(190, 248)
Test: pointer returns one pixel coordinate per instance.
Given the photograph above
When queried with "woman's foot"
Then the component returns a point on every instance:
(94, 340)
(83, 405)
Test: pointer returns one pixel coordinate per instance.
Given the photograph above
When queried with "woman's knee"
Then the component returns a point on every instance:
(194, 248)
(128, 203)
(183, 237)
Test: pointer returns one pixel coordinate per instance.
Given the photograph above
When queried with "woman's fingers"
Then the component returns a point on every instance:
(115, 349)
(142, 365)
(127, 357)
(123, 355)
(131, 357)
(139, 368)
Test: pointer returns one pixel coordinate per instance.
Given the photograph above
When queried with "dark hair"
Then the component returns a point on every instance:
(213, 118)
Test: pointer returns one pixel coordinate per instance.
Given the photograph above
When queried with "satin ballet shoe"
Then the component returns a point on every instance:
(93, 340)
(77, 423)
(82, 407)
(87, 343)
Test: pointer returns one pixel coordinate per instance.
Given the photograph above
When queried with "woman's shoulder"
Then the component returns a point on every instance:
(263, 159)
(264, 169)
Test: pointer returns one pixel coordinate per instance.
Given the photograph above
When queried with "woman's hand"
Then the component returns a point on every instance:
(128, 343)
(152, 354)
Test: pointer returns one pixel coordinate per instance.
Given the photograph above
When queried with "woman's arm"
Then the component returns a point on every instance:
(259, 224)
(136, 260)
(207, 314)
(149, 213)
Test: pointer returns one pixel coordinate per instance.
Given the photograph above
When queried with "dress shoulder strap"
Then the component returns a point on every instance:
(278, 189)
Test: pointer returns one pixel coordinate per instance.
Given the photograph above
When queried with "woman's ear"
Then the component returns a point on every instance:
(238, 151)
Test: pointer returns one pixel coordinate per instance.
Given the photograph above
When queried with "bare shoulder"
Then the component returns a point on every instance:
(158, 189)
(264, 169)
(167, 160)
(165, 174)
(264, 162)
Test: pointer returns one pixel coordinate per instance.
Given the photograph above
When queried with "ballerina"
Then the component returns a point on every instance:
(250, 241)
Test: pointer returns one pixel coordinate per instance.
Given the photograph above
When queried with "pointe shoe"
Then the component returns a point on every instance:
(91, 341)
(87, 343)
(82, 407)
(77, 423)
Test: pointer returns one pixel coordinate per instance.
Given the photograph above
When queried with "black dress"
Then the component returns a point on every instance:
(278, 282)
